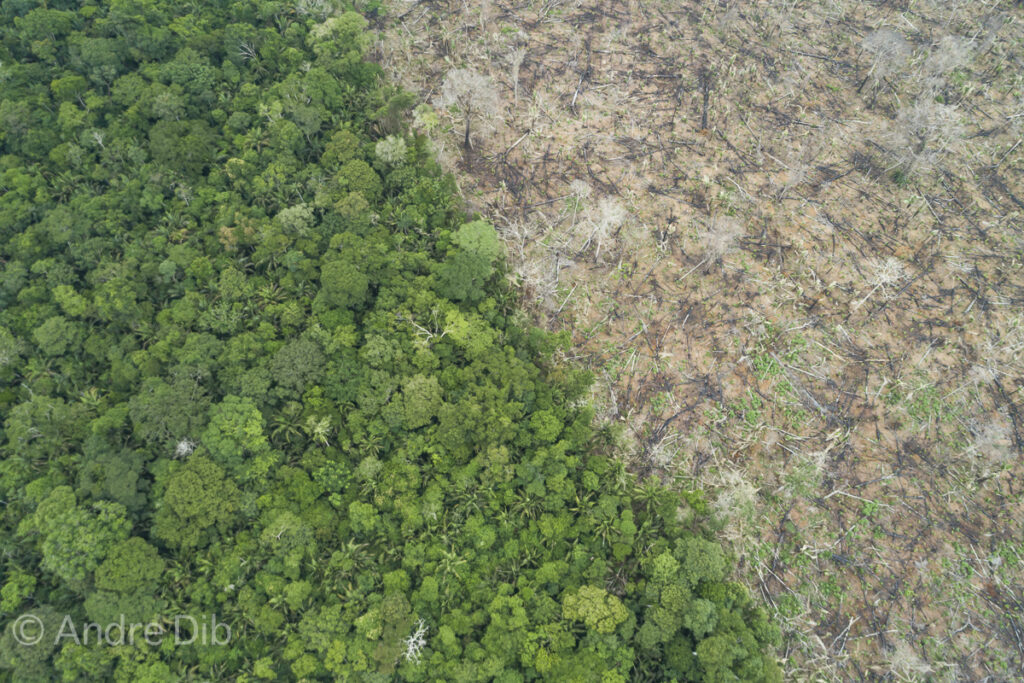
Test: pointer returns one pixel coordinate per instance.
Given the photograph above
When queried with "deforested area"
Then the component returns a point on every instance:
(786, 239)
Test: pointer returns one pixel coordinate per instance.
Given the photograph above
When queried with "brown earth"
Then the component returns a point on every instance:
(709, 197)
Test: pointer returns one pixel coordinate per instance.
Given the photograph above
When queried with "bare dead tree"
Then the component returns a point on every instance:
(472, 94)
(991, 444)
(515, 60)
(884, 273)
(950, 53)
(720, 238)
(922, 133)
(906, 662)
(890, 52)
(415, 643)
(609, 216)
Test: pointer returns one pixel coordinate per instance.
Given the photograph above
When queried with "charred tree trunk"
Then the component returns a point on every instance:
(705, 79)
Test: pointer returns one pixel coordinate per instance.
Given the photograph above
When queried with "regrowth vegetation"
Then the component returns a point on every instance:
(256, 362)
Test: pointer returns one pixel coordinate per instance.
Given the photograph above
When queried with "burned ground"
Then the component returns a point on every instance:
(786, 237)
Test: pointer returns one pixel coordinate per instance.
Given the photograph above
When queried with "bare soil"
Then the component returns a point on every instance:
(715, 200)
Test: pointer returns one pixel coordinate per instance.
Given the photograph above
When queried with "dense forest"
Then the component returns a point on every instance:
(257, 364)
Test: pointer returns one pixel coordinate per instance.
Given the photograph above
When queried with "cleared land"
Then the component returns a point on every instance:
(787, 238)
